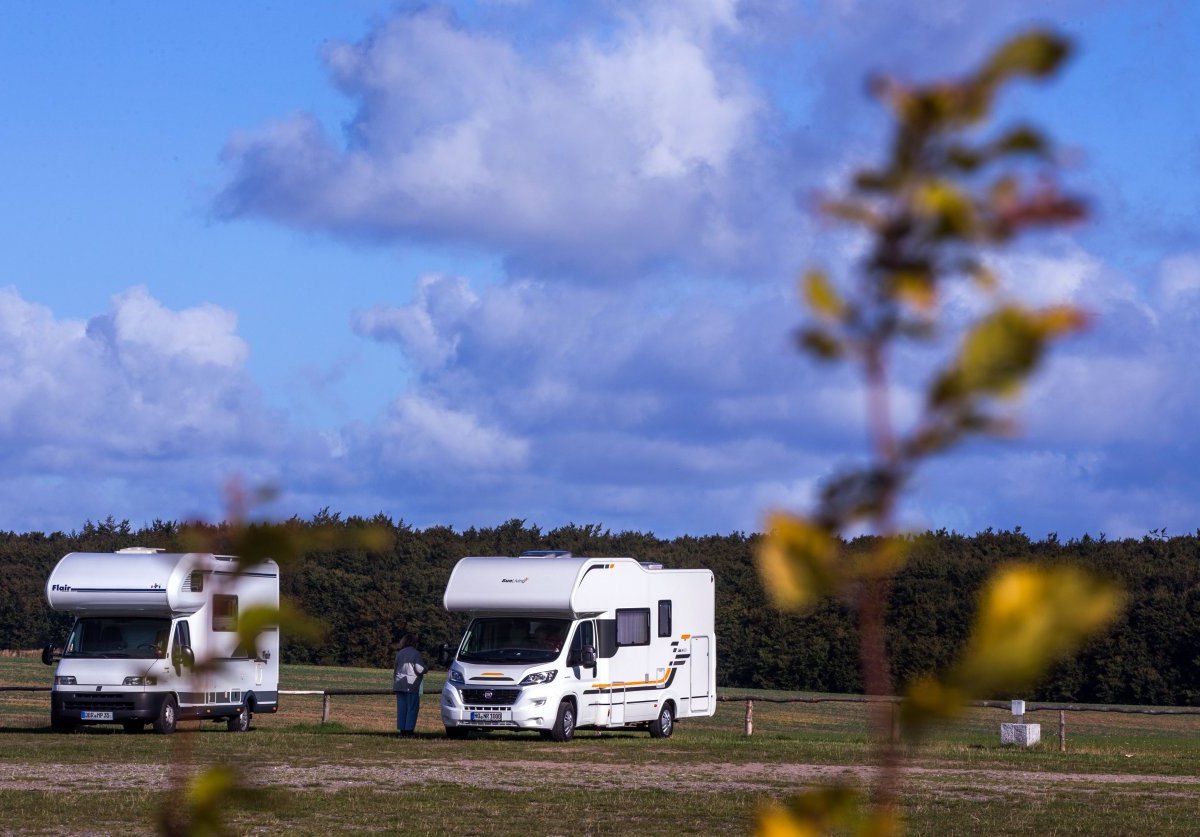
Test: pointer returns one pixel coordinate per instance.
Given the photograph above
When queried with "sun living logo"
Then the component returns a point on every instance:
(514, 580)
(61, 588)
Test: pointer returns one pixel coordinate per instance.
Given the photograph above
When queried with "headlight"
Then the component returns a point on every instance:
(67, 680)
(539, 677)
(133, 681)
(455, 676)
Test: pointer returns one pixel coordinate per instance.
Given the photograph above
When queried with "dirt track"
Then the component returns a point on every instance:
(529, 775)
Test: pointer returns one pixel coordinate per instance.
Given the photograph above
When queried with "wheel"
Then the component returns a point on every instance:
(665, 725)
(133, 727)
(168, 714)
(564, 724)
(60, 725)
(457, 733)
(241, 721)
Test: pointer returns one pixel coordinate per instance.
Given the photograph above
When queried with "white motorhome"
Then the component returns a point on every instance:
(557, 642)
(143, 619)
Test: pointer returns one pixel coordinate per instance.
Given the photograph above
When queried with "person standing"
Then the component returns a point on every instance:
(407, 684)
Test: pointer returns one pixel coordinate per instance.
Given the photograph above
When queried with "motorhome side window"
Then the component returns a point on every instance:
(633, 627)
(225, 613)
(664, 617)
(196, 582)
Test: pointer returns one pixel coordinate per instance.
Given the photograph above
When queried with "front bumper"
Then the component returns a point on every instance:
(80, 707)
(532, 708)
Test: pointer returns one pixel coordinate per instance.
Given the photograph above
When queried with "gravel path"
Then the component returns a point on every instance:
(529, 775)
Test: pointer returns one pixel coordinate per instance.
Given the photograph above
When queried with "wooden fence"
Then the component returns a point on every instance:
(1062, 709)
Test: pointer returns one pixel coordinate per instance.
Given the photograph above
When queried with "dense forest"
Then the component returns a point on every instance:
(367, 599)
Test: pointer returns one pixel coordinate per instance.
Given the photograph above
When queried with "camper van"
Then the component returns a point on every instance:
(557, 642)
(143, 618)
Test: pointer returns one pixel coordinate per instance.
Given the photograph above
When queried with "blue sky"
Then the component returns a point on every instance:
(459, 263)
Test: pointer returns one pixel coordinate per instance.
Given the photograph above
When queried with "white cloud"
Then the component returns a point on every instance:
(596, 154)
(435, 439)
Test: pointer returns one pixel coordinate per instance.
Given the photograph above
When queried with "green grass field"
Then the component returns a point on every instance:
(1123, 773)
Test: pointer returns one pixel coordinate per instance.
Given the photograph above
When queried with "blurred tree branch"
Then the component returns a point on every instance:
(949, 192)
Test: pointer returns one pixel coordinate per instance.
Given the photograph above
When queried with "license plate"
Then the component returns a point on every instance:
(486, 716)
(97, 716)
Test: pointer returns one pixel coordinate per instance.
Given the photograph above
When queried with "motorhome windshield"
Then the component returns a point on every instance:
(514, 639)
(118, 636)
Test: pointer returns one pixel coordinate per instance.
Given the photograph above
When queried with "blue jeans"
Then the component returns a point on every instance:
(407, 706)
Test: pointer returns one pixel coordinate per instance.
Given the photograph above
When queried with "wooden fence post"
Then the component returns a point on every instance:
(325, 708)
(749, 717)
(1062, 731)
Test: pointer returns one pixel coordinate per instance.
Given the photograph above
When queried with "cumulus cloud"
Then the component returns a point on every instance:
(138, 380)
(595, 155)
(142, 410)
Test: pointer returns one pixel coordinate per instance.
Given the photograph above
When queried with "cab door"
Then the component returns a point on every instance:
(583, 678)
(177, 666)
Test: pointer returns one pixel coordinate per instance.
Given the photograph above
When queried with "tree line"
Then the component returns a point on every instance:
(367, 598)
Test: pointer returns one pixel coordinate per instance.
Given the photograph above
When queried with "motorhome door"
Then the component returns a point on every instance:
(700, 668)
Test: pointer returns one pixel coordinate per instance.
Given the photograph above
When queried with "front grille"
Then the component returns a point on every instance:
(491, 697)
(97, 702)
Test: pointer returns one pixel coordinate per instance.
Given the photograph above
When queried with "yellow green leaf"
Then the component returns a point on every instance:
(1030, 617)
(948, 206)
(928, 700)
(1037, 54)
(1000, 351)
(916, 288)
(822, 297)
(819, 810)
(797, 560)
(776, 821)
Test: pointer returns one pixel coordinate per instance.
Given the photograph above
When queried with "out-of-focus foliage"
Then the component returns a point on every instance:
(952, 189)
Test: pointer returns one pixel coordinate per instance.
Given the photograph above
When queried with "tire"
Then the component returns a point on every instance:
(133, 727)
(168, 716)
(60, 725)
(665, 723)
(457, 733)
(239, 722)
(564, 724)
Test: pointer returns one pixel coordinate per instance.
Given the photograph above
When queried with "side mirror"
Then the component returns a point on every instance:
(587, 657)
(48, 655)
(183, 655)
(443, 656)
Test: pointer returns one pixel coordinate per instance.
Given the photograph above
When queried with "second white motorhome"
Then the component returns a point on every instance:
(557, 642)
(143, 620)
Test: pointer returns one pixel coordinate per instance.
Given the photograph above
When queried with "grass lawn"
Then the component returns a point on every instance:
(1123, 773)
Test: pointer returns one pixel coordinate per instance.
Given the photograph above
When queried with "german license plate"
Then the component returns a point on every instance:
(486, 716)
(97, 716)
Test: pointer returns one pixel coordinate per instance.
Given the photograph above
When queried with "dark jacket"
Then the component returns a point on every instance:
(409, 670)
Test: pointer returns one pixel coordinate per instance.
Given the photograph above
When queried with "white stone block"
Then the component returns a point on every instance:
(1022, 735)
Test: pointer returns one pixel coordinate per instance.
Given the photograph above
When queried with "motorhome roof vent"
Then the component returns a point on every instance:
(546, 553)
(140, 550)
(651, 565)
